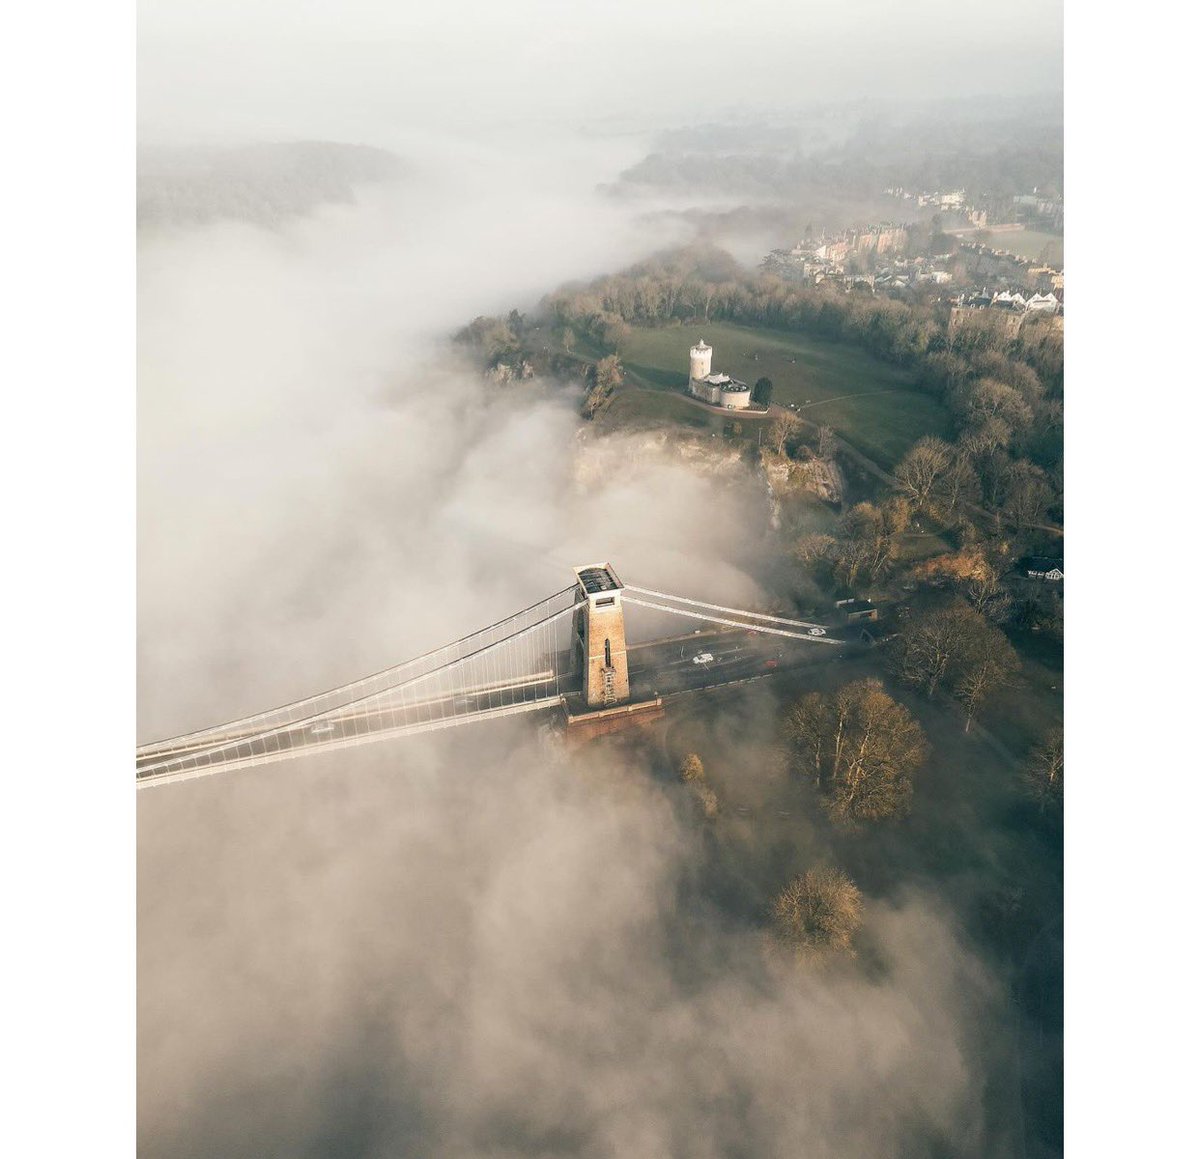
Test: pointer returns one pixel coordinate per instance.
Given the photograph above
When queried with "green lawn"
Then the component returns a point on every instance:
(883, 415)
(637, 408)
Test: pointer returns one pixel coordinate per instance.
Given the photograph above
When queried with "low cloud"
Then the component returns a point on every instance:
(472, 944)
(422, 950)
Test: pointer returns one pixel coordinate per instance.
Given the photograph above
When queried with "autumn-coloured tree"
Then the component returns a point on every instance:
(860, 747)
(818, 913)
(691, 773)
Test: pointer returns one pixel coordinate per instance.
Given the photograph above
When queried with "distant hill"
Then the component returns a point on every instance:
(998, 146)
(263, 184)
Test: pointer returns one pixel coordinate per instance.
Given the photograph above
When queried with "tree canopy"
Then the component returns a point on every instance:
(692, 769)
(860, 747)
(818, 912)
(955, 647)
(1043, 773)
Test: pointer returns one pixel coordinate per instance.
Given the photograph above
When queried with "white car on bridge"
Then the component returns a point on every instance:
(702, 658)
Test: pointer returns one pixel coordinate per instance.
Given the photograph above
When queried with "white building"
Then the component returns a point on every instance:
(716, 389)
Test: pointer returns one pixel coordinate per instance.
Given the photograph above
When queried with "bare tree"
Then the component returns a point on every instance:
(692, 769)
(924, 464)
(985, 592)
(782, 429)
(989, 398)
(708, 800)
(931, 645)
(868, 540)
(607, 376)
(957, 487)
(609, 372)
(1026, 493)
(1043, 772)
(814, 547)
(994, 666)
(826, 442)
(956, 646)
(860, 747)
(817, 913)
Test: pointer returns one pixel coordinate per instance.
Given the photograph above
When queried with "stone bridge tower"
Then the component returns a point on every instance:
(600, 636)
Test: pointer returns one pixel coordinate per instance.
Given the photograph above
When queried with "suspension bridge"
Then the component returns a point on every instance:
(568, 651)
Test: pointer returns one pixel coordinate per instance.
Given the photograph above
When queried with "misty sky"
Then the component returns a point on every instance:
(365, 69)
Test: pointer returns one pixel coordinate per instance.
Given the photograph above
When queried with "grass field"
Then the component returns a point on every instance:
(870, 404)
(631, 408)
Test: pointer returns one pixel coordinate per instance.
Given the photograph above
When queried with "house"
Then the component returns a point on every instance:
(857, 611)
(1041, 567)
(1009, 300)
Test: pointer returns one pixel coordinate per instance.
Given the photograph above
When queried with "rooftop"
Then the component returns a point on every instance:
(855, 605)
(599, 577)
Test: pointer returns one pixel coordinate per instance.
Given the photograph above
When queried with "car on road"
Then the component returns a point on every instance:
(702, 658)
(816, 631)
(322, 729)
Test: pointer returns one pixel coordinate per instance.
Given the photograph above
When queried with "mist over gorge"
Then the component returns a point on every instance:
(487, 941)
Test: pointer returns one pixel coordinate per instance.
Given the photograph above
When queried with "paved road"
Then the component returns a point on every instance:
(685, 666)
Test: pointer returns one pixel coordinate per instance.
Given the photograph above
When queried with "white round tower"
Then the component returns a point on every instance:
(701, 361)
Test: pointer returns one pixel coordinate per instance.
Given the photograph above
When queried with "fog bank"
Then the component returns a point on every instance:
(468, 944)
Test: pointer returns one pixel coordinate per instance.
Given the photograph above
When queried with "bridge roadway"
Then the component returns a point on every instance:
(701, 659)
(677, 666)
(394, 717)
